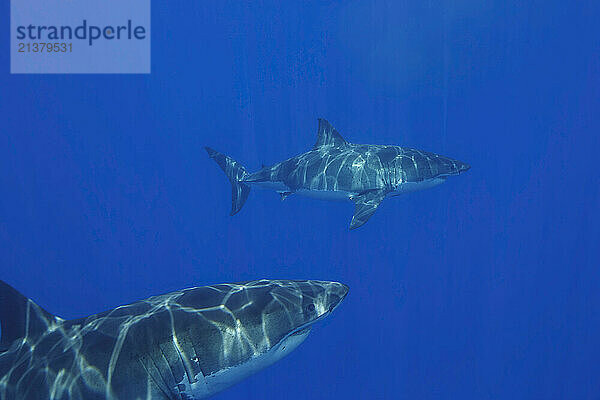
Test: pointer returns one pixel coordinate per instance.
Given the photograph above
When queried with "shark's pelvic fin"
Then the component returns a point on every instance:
(365, 205)
(284, 195)
(21, 317)
(327, 135)
(235, 173)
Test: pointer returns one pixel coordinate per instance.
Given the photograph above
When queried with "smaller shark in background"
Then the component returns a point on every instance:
(185, 345)
(335, 169)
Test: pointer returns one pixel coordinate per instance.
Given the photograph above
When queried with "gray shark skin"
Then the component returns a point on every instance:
(184, 345)
(338, 170)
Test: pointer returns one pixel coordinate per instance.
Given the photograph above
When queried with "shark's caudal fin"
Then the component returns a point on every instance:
(21, 317)
(328, 136)
(235, 172)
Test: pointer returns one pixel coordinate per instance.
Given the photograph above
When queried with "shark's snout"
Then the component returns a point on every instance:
(335, 294)
(463, 167)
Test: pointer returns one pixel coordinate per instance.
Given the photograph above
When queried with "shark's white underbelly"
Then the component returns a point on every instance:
(343, 195)
(414, 186)
(331, 195)
(277, 186)
(206, 386)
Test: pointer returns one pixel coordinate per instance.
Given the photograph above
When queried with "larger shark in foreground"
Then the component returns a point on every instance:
(337, 170)
(184, 345)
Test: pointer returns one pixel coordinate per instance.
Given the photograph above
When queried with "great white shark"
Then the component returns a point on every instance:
(184, 345)
(335, 169)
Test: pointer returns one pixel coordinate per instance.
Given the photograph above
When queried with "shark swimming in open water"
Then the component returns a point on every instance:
(184, 345)
(335, 169)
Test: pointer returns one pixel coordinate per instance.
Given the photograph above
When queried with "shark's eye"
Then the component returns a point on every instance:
(310, 308)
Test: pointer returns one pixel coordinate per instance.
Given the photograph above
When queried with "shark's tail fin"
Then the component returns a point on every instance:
(235, 172)
(20, 317)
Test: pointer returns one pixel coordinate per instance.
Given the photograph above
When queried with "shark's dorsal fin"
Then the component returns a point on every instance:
(20, 317)
(327, 135)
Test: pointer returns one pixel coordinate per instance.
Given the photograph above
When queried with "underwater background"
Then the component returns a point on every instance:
(487, 287)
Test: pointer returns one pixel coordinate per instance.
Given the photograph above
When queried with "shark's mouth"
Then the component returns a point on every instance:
(300, 331)
(305, 329)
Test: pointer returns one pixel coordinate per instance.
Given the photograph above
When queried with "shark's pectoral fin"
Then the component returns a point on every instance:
(365, 205)
(284, 195)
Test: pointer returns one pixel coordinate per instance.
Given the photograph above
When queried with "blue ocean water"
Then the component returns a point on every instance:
(484, 287)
